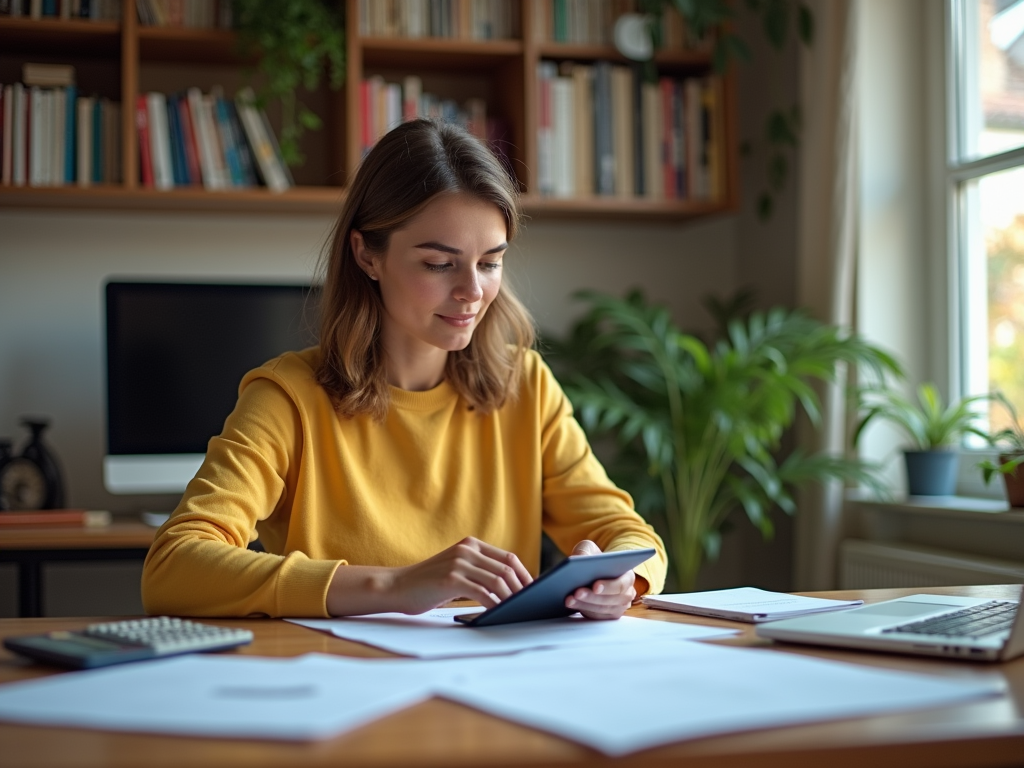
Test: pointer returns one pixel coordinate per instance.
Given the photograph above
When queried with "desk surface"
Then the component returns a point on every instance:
(117, 535)
(441, 733)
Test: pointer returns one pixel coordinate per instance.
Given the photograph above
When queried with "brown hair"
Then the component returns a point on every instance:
(407, 168)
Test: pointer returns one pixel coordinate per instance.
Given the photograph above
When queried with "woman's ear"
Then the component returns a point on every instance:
(362, 256)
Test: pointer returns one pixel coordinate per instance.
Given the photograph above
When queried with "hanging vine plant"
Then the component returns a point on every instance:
(296, 42)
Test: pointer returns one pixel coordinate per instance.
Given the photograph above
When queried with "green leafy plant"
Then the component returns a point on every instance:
(1009, 441)
(296, 42)
(714, 21)
(928, 423)
(698, 429)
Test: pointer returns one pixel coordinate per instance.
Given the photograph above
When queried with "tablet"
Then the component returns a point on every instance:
(545, 597)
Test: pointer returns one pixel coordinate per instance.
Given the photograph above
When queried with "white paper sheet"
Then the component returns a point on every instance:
(436, 635)
(673, 691)
(747, 604)
(308, 697)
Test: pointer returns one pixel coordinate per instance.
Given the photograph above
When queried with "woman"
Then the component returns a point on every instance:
(417, 453)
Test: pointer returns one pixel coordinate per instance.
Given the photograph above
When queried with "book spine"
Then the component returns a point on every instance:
(545, 135)
(245, 158)
(83, 148)
(188, 131)
(178, 170)
(97, 141)
(160, 145)
(227, 143)
(564, 131)
(267, 160)
(36, 136)
(145, 142)
(604, 152)
(7, 160)
(70, 145)
(58, 133)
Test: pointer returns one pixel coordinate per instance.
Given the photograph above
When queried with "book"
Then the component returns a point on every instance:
(7, 159)
(58, 517)
(747, 604)
(47, 75)
(604, 150)
(210, 160)
(19, 135)
(160, 142)
(83, 146)
(142, 130)
(227, 141)
(267, 160)
(188, 133)
(583, 145)
(563, 130)
(70, 115)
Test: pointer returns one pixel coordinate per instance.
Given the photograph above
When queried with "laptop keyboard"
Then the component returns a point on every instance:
(976, 621)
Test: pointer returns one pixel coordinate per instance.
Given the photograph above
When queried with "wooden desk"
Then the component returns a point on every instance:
(440, 733)
(30, 547)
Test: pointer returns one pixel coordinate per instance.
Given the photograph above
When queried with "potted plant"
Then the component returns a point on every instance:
(698, 429)
(296, 42)
(934, 430)
(1010, 442)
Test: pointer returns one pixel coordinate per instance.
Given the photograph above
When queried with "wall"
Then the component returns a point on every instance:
(53, 265)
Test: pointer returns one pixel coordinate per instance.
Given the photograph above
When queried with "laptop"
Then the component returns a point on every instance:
(932, 625)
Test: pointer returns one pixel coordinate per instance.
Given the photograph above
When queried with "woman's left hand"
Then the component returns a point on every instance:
(606, 598)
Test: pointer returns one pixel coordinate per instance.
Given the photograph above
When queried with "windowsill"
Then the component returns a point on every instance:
(967, 507)
(966, 524)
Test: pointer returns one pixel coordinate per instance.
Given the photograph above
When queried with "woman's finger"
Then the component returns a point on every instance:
(505, 558)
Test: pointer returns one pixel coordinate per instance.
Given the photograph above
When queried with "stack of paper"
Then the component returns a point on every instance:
(746, 604)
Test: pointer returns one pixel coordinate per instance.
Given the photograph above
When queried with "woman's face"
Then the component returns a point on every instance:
(440, 273)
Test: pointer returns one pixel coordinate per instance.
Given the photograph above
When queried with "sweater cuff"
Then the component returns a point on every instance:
(302, 587)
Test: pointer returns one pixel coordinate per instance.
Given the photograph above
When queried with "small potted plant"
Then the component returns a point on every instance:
(934, 430)
(1010, 442)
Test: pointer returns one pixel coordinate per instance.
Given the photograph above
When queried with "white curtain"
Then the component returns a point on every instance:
(827, 223)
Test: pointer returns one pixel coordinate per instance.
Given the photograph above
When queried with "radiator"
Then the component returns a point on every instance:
(872, 565)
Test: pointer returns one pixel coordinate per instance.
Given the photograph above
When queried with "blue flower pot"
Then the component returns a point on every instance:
(931, 473)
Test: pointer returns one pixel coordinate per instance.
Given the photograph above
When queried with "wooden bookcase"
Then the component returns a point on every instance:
(122, 59)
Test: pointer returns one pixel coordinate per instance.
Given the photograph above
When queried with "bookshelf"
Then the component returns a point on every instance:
(120, 59)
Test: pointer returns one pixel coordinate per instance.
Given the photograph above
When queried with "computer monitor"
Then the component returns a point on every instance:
(176, 353)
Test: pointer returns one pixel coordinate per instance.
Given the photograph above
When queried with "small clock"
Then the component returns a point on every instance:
(31, 480)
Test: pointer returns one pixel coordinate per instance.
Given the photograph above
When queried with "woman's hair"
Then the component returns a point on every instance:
(407, 169)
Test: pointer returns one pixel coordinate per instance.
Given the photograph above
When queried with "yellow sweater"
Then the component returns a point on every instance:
(321, 490)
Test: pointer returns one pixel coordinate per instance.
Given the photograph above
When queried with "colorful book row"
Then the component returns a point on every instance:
(591, 22)
(204, 139)
(94, 10)
(384, 105)
(603, 130)
(198, 14)
(52, 137)
(466, 19)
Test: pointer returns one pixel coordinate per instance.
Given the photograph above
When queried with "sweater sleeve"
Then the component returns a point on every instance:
(580, 501)
(199, 564)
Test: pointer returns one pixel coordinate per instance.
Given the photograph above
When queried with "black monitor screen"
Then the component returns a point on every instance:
(176, 353)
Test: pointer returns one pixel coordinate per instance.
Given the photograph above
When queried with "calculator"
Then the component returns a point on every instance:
(117, 642)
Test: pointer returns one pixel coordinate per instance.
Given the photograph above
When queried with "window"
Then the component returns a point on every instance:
(986, 174)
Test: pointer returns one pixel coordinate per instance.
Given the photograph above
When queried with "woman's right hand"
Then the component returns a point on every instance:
(471, 568)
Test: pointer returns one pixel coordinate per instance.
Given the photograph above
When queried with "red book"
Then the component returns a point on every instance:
(142, 125)
(188, 136)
